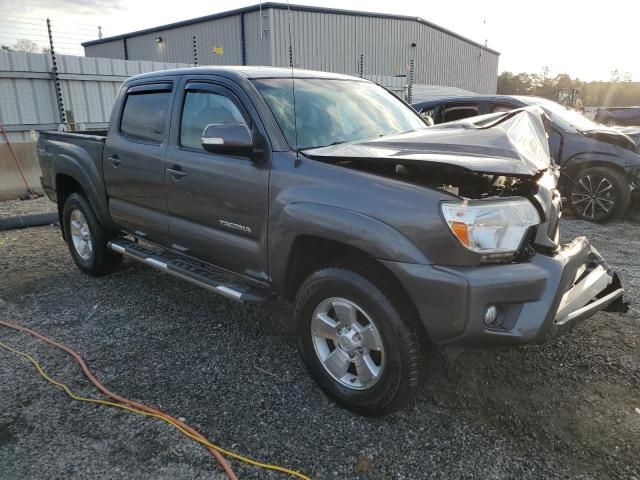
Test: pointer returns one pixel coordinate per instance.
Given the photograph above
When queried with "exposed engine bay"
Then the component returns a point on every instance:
(460, 182)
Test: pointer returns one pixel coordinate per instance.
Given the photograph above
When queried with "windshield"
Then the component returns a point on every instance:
(564, 117)
(329, 112)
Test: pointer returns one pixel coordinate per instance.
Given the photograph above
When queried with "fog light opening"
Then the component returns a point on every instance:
(491, 316)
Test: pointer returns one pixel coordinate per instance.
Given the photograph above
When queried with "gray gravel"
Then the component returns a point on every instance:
(22, 207)
(562, 410)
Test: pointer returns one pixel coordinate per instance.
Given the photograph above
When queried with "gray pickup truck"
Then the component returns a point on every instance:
(389, 235)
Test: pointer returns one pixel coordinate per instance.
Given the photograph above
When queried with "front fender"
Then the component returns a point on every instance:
(377, 239)
(596, 159)
(602, 158)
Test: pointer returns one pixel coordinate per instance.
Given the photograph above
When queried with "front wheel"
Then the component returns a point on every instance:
(599, 194)
(355, 343)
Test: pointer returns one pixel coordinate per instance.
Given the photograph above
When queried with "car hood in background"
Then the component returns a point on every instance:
(628, 137)
(509, 143)
(631, 132)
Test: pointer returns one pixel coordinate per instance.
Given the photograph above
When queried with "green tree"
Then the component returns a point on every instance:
(619, 91)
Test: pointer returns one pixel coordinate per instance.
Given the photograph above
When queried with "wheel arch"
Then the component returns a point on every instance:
(71, 175)
(583, 161)
(297, 223)
(331, 253)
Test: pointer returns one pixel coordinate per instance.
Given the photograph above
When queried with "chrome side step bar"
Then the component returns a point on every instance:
(188, 271)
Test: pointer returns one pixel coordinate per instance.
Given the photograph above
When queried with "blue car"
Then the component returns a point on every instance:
(622, 116)
(600, 166)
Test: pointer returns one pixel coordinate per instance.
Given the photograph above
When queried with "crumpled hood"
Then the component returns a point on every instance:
(631, 132)
(509, 143)
(628, 137)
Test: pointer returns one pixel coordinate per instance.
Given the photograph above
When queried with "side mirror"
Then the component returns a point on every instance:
(428, 119)
(227, 139)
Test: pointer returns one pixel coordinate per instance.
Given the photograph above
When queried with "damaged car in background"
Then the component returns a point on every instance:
(388, 235)
(600, 166)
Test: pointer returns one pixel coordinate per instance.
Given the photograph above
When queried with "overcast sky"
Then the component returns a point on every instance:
(583, 39)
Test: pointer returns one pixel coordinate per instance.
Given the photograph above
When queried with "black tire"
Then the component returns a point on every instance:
(403, 371)
(610, 188)
(100, 260)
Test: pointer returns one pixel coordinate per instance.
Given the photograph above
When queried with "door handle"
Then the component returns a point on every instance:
(176, 172)
(115, 161)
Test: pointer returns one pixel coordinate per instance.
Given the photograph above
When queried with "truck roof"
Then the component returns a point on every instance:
(247, 72)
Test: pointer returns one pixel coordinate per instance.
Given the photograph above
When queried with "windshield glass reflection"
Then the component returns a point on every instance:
(329, 112)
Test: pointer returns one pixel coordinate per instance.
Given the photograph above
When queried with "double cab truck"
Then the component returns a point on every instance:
(390, 236)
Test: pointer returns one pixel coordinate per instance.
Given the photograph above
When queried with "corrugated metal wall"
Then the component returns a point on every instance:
(176, 44)
(334, 42)
(257, 34)
(114, 49)
(89, 88)
(325, 41)
(27, 95)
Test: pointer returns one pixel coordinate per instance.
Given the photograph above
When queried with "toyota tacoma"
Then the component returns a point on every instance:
(388, 235)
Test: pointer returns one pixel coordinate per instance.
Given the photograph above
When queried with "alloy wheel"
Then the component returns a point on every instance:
(80, 234)
(593, 196)
(347, 343)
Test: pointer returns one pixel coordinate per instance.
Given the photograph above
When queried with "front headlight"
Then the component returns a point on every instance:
(494, 228)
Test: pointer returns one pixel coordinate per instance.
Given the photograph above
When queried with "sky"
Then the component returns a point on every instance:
(587, 40)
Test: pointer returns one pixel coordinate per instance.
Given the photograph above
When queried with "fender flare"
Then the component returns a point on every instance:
(376, 238)
(595, 157)
(84, 171)
(600, 159)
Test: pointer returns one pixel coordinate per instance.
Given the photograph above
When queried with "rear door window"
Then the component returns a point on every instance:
(145, 115)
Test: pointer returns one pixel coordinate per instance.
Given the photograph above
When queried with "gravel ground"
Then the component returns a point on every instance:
(23, 207)
(568, 409)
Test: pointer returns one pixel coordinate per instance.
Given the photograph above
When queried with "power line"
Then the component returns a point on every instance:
(44, 20)
(13, 39)
(39, 33)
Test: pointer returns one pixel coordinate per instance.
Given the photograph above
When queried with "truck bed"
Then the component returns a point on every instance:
(84, 147)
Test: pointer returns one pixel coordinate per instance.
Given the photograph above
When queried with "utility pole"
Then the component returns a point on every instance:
(56, 77)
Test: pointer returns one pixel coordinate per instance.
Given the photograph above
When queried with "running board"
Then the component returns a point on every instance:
(188, 271)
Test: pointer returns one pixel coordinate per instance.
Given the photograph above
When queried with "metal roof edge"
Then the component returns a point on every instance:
(284, 6)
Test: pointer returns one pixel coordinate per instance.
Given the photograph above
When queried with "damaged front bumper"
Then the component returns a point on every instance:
(594, 286)
(535, 300)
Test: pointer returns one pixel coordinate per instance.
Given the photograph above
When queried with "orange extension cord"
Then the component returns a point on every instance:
(136, 407)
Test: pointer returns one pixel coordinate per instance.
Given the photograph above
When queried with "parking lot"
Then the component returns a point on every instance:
(567, 409)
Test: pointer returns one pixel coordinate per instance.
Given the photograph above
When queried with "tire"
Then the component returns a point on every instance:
(399, 362)
(598, 194)
(611, 123)
(87, 238)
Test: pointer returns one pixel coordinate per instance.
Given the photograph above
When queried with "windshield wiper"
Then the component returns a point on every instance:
(323, 146)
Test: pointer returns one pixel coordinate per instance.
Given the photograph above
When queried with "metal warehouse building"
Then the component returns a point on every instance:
(393, 50)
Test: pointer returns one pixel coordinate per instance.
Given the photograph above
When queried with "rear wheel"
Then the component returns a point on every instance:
(599, 194)
(355, 343)
(87, 238)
